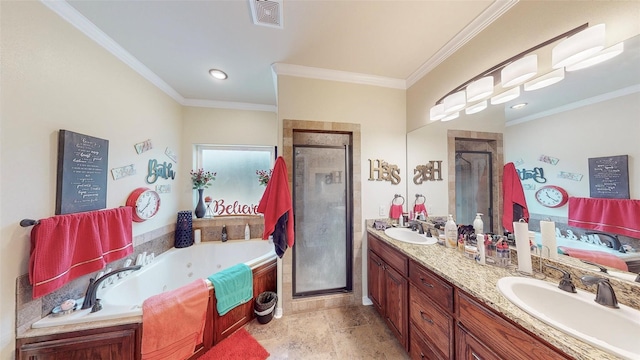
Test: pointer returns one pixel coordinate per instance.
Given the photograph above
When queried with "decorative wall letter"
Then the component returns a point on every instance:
(156, 170)
(385, 171)
(537, 174)
(432, 171)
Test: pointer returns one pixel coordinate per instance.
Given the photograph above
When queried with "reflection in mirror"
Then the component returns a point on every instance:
(236, 189)
(593, 112)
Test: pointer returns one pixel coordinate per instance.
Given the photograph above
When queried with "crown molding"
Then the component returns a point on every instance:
(336, 75)
(80, 22)
(229, 105)
(577, 104)
(493, 12)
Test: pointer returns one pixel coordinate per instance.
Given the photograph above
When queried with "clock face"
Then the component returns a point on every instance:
(145, 203)
(552, 196)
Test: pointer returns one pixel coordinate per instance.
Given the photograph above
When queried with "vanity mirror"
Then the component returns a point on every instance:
(593, 112)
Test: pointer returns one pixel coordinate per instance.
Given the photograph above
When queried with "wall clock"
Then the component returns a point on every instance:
(552, 196)
(145, 203)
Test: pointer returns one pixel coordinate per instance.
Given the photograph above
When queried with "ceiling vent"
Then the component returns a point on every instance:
(267, 12)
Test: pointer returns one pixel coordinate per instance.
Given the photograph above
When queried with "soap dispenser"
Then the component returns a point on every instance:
(478, 225)
(451, 233)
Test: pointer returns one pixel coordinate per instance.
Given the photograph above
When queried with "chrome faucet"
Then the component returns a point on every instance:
(416, 225)
(566, 283)
(90, 300)
(604, 293)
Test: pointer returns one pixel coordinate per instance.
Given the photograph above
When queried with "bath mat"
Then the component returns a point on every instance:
(239, 346)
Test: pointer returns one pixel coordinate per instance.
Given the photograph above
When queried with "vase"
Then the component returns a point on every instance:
(184, 229)
(201, 209)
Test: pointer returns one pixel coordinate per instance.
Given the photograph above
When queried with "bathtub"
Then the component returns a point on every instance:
(169, 271)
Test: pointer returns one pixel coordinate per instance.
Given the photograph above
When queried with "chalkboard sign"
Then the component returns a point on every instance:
(609, 177)
(82, 173)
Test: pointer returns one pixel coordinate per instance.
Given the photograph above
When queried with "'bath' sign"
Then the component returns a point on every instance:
(380, 170)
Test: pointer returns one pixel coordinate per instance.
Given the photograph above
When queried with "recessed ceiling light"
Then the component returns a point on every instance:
(218, 74)
(519, 106)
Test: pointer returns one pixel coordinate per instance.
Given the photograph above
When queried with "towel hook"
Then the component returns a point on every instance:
(395, 197)
(418, 196)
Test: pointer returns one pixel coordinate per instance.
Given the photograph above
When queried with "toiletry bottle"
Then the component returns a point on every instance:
(224, 233)
(481, 257)
(478, 225)
(451, 233)
(247, 232)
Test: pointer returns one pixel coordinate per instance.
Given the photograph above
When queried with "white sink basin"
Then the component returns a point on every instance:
(612, 330)
(408, 236)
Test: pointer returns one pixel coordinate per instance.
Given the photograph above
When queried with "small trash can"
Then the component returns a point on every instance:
(264, 305)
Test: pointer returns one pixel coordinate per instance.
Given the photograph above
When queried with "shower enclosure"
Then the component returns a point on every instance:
(473, 187)
(322, 255)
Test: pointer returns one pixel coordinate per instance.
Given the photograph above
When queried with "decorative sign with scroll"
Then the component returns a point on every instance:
(609, 177)
(82, 173)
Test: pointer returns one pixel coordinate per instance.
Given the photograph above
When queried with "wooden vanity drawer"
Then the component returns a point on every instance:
(419, 348)
(435, 288)
(391, 256)
(435, 324)
(498, 334)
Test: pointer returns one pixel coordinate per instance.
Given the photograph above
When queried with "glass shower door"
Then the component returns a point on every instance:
(322, 254)
(473, 187)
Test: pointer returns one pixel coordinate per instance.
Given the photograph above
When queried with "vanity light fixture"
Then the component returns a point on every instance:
(451, 116)
(437, 112)
(218, 74)
(545, 80)
(455, 102)
(519, 71)
(476, 108)
(578, 47)
(506, 96)
(599, 57)
(480, 89)
(519, 106)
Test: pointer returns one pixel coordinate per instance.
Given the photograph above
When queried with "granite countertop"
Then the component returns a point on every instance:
(480, 281)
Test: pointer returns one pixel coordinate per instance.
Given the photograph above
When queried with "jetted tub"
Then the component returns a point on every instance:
(169, 271)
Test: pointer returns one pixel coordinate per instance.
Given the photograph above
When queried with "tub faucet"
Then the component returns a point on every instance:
(612, 240)
(604, 293)
(92, 289)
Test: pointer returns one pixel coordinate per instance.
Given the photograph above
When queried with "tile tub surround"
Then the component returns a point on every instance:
(29, 310)
(211, 229)
(480, 282)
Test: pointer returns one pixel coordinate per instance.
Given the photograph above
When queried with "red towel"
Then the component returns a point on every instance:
(65, 247)
(173, 322)
(395, 212)
(418, 208)
(598, 257)
(276, 201)
(618, 216)
(512, 197)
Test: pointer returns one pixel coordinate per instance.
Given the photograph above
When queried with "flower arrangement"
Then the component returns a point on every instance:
(264, 176)
(201, 179)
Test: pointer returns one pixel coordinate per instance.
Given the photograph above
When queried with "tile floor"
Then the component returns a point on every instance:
(356, 332)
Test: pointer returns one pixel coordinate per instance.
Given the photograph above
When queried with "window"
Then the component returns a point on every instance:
(236, 190)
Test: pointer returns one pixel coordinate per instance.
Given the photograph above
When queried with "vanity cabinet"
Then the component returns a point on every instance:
(388, 286)
(113, 343)
(431, 311)
(491, 332)
(470, 348)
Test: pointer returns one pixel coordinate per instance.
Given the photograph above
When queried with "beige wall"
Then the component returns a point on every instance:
(525, 25)
(221, 127)
(53, 77)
